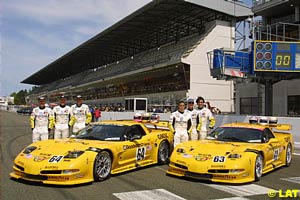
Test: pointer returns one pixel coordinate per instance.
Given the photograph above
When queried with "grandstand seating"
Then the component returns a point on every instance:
(168, 54)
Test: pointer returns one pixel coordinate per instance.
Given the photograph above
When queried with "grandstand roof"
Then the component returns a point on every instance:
(157, 23)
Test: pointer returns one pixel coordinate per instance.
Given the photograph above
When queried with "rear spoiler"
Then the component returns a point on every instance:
(162, 125)
(280, 127)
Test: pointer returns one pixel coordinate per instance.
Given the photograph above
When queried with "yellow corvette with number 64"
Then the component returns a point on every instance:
(234, 153)
(101, 149)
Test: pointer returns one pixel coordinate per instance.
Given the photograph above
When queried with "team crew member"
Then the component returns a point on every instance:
(180, 123)
(62, 114)
(80, 115)
(193, 112)
(204, 116)
(41, 121)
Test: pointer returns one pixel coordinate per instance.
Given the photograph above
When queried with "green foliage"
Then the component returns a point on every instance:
(19, 97)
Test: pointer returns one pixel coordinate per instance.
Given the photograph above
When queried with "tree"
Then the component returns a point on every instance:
(19, 97)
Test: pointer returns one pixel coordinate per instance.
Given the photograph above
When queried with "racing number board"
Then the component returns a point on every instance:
(276, 56)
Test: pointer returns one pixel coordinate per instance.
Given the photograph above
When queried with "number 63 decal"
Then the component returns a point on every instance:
(219, 159)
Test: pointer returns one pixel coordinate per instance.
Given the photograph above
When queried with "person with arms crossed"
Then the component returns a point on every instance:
(62, 114)
(203, 118)
(180, 123)
(80, 115)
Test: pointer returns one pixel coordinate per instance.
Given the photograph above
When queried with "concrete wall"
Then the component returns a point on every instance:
(220, 119)
(249, 90)
(218, 92)
(281, 91)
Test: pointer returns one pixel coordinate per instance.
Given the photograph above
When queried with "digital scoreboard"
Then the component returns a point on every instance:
(276, 56)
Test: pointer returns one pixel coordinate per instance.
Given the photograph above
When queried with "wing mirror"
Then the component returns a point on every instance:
(135, 137)
(273, 140)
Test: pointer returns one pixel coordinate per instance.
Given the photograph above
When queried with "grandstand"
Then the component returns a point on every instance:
(157, 52)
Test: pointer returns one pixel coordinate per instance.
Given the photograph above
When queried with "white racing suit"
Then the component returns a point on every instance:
(41, 121)
(61, 119)
(204, 116)
(80, 117)
(194, 133)
(180, 123)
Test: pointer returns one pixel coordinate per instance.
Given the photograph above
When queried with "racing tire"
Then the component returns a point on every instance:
(288, 155)
(163, 153)
(258, 167)
(102, 166)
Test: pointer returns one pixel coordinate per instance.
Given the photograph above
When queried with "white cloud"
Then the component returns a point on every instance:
(37, 32)
(53, 12)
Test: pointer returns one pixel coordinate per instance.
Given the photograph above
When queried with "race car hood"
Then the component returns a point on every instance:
(58, 154)
(64, 145)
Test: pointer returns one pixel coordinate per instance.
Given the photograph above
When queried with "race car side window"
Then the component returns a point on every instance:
(141, 130)
(135, 131)
(267, 135)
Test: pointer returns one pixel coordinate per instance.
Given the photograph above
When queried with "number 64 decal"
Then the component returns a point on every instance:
(55, 159)
(140, 153)
(219, 159)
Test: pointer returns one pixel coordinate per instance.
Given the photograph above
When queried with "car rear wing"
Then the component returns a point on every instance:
(281, 127)
(162, 125)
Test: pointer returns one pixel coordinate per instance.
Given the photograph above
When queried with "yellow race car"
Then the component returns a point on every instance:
(234, 153)
(101, 149)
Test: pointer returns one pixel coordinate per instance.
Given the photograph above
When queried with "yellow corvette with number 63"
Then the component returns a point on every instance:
(101, 149)
(234, 153)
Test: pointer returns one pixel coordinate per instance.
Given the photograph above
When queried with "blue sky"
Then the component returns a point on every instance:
(34, 33)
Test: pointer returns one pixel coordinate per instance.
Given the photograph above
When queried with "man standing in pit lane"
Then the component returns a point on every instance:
(203, 118)
(62, 114)
(41, 121)
(180, 124)
(193, 112)
(80, 115)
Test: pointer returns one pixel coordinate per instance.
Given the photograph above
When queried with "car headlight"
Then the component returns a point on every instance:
(29, 149)
(235, 155)
(74, 154)
(180, 150)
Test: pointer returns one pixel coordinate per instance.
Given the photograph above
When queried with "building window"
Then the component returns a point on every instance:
(294, 105)
(250, 106)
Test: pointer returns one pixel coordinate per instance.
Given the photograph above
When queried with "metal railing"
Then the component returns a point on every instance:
(278, 32)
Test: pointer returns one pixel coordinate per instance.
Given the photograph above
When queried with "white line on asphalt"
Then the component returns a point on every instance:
(148, 195)
(296, 154)
(292, 179)
(242, 190)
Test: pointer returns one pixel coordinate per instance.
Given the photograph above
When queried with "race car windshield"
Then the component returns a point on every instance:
(104, 132)
(236, 134)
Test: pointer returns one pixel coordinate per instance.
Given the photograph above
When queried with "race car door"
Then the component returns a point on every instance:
(136, 149)
(272, 154)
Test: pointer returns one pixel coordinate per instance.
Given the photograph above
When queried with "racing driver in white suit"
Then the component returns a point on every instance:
(80, 115)
(180, 123)
(41, 121)
(204, 117)
(194, 113)
(62, 114)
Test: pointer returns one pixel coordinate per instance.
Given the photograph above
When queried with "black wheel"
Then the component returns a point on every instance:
(102, 166)
(163, 153)
(258, 167)
(288, 155)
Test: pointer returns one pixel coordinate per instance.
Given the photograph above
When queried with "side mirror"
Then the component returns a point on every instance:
(273, 140)
(135, 137)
